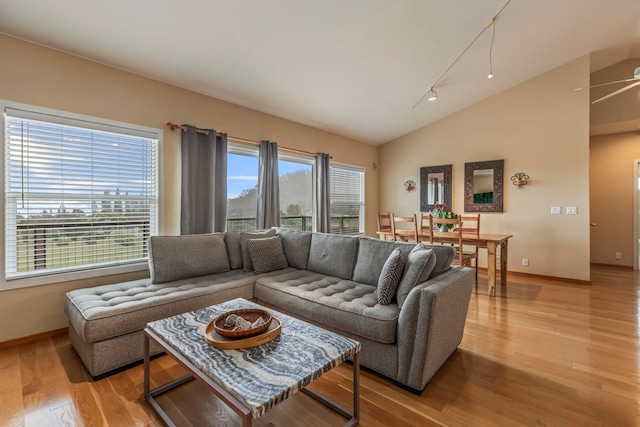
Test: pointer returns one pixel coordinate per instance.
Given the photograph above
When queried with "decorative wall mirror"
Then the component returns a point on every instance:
(483, 186)
(435, 187)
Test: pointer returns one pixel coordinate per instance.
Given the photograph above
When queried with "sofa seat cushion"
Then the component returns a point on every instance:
(343, 304)
(111, 310)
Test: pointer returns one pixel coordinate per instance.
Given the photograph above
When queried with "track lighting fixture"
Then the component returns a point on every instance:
(431, 94)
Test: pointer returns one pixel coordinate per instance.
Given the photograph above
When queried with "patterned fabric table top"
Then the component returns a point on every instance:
(263, 376)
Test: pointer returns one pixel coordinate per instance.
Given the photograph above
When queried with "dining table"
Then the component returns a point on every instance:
(488, 241)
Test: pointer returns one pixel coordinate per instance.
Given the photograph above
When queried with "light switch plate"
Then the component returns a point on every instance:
(556, 210)
(572, 210)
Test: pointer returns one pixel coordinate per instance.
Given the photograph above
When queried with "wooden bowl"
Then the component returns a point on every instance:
(248, 314)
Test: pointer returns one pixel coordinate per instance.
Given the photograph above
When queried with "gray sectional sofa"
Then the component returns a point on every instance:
(329, 280)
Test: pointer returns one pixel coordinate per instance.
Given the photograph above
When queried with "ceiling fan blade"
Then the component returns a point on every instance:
(607, 84)
(619, 91)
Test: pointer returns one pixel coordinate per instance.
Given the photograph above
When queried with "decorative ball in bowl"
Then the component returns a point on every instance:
(242, 323)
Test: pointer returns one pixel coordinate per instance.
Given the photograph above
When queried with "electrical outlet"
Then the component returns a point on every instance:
(556, 210)
(618, 255)
(525, 262)
(572, 210)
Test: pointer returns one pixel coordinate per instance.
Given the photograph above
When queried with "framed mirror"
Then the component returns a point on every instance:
(435, 186)
(483, 186)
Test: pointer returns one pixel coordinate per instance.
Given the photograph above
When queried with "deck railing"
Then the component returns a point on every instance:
(36, 240)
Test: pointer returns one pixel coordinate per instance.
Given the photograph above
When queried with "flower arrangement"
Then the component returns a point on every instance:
(439, 212)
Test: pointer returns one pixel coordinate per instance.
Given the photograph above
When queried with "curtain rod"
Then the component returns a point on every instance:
(174, 126)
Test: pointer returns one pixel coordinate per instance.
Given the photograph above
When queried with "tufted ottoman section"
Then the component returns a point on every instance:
(343, 304)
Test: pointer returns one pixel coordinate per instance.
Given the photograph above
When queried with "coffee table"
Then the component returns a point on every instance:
(254, 380)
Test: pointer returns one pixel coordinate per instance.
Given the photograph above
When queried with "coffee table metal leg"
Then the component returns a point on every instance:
(353, 417)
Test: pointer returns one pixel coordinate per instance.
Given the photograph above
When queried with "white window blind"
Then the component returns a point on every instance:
(347, 200)
(78, 194)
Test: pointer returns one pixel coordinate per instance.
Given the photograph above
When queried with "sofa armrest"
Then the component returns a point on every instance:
(431, 324)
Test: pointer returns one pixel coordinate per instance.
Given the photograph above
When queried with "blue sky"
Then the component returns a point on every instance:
(242, 172)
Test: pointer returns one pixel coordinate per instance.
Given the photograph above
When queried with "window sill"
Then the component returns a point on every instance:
(48, 279)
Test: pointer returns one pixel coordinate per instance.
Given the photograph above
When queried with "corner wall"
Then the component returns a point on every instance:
(539, 127)
(36, 75)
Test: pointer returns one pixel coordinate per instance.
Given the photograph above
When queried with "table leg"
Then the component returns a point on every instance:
(503, 264)
(491, 267)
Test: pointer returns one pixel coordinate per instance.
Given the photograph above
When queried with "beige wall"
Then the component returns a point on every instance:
(39, 76)
(539, 127)
(612, 191)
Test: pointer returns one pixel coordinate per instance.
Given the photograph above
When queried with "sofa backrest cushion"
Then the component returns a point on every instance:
(419, 265)
(372, 254)
(296, 246)
(181, 257)
(332, 255)
(267, 254)
(247, 265)
(232, 240)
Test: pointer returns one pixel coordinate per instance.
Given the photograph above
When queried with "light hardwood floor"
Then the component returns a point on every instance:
(542, 353)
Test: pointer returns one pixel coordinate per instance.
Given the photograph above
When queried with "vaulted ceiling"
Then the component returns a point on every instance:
(355, 68)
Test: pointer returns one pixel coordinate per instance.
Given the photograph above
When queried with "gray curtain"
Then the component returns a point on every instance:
(268, 214)
(204, 182)
(322, 202)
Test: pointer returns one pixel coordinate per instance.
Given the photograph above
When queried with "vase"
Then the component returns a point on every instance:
(443, 227)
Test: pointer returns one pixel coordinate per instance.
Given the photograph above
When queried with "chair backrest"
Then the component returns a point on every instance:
(408, 230)
(384, 222)
(385, 228)
(456, 232)
(471, 224)
(425, 227)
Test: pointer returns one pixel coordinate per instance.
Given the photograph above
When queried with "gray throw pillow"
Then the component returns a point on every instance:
(267, 254)
(390, 277)
(420, 262)
(247, 265)
(182, 257)
(232, 240)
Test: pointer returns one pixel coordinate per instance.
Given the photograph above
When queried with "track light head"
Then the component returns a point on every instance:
(432, 95)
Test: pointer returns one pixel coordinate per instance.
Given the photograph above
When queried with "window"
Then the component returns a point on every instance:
(347, 199)
(242, 187)
(79, 195)
(296, 192)
(296, 189)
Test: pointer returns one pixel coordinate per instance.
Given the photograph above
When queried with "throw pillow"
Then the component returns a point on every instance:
(420, 262)
(181, 257)
(267, 254)
(244, 238)
(390, 277)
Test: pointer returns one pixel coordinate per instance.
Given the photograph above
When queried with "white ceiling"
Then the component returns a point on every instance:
(355, 68)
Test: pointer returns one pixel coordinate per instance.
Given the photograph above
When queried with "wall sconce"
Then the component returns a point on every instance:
(409, 185)
(520, 179)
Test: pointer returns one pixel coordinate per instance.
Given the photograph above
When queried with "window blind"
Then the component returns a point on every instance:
(78, 194)
(347, 200)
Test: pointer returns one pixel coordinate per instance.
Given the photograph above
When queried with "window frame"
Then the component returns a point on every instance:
(98, 124)
(358, 169)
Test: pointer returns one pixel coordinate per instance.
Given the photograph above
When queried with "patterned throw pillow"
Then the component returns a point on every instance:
(267, 254)
(390, 277)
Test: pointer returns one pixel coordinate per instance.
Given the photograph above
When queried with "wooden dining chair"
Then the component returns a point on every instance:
(471, 225)
(385, 229)
(404, 228)
(462, 258)
(425, 227)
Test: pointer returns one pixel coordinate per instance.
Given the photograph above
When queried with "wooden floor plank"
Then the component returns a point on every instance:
(541, 353)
